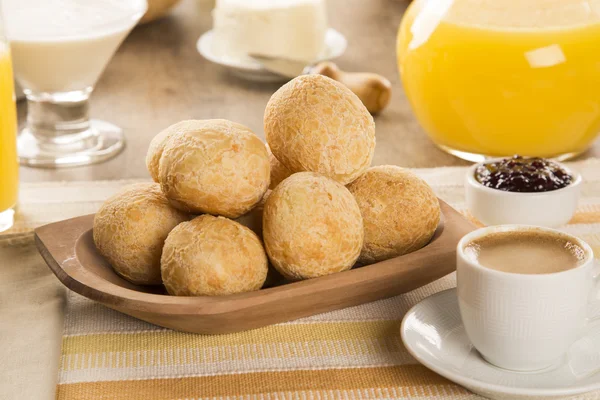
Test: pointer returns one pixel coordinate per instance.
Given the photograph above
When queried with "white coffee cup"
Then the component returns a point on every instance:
(524, 322)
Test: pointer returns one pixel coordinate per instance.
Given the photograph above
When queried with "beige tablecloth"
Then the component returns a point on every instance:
(31, 322)
(351, 353)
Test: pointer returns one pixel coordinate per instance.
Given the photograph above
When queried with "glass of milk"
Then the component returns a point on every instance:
(59, 50)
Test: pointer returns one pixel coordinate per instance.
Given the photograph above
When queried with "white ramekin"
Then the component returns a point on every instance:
(497, 207)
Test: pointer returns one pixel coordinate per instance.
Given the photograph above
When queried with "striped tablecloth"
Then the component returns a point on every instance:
(346, 354)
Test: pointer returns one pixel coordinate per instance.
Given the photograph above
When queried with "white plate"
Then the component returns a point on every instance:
(252, 70)
(433, 333)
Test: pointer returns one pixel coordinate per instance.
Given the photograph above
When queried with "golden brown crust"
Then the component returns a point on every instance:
(211, 256)
(312, 227)
(400, 212)
(157, 144)
(219, 167)
(253, 218)
(314, 123)
(279, 172)
(254, 221)
(130, 229)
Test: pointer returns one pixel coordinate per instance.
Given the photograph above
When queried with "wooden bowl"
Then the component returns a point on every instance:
(69, 250)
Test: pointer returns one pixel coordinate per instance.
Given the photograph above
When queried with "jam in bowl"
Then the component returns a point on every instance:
(523, 175)
(517, 190)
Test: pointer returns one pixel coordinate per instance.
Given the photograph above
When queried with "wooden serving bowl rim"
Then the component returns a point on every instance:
(68, 249)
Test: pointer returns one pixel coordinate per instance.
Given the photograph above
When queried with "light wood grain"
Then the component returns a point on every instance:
(158, 78)
(69, 250)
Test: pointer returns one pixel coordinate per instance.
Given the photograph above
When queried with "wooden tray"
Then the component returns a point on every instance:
(69, 250)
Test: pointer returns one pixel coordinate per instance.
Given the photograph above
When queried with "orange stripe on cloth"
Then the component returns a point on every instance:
(411, 380)
(581, 217)
(592, 217)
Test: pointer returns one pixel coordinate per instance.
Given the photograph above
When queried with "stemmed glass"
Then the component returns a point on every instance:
(60, 48)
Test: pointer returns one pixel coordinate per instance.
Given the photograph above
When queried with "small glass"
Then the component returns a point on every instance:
(9, 165)
(60, 49)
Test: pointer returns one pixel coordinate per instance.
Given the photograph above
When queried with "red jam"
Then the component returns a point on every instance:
(523, 175)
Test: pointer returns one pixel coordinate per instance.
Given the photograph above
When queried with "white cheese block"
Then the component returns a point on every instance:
(293, 29)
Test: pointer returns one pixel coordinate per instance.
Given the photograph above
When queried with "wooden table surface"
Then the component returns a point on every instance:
(158, 78)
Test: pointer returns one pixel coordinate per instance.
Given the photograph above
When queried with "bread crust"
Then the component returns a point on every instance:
(130, 229)
(400, 212)
(279, 172)
(312, 227)
(216, 167)
(212, 256)
(314, 123)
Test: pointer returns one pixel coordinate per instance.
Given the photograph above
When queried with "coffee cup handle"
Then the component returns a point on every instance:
(594, 305)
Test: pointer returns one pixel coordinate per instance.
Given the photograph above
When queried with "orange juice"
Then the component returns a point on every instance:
(9, 166)
(498, 78)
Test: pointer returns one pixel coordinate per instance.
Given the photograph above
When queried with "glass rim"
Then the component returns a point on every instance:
(140, 7)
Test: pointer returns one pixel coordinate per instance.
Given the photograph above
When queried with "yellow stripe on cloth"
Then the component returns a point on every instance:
(162, 340)
(127, 356)
(408, 380)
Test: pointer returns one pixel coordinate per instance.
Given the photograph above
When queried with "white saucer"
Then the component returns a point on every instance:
(433, 333)
(252, 70)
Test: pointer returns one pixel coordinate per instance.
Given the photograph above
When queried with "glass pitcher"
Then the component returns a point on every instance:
(9, 164)
(489, 78)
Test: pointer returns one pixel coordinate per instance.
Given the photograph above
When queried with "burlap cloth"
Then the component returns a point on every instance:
(54, 341)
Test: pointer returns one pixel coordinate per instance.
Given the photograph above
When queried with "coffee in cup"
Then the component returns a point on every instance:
(523, 293)
(526, 252)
